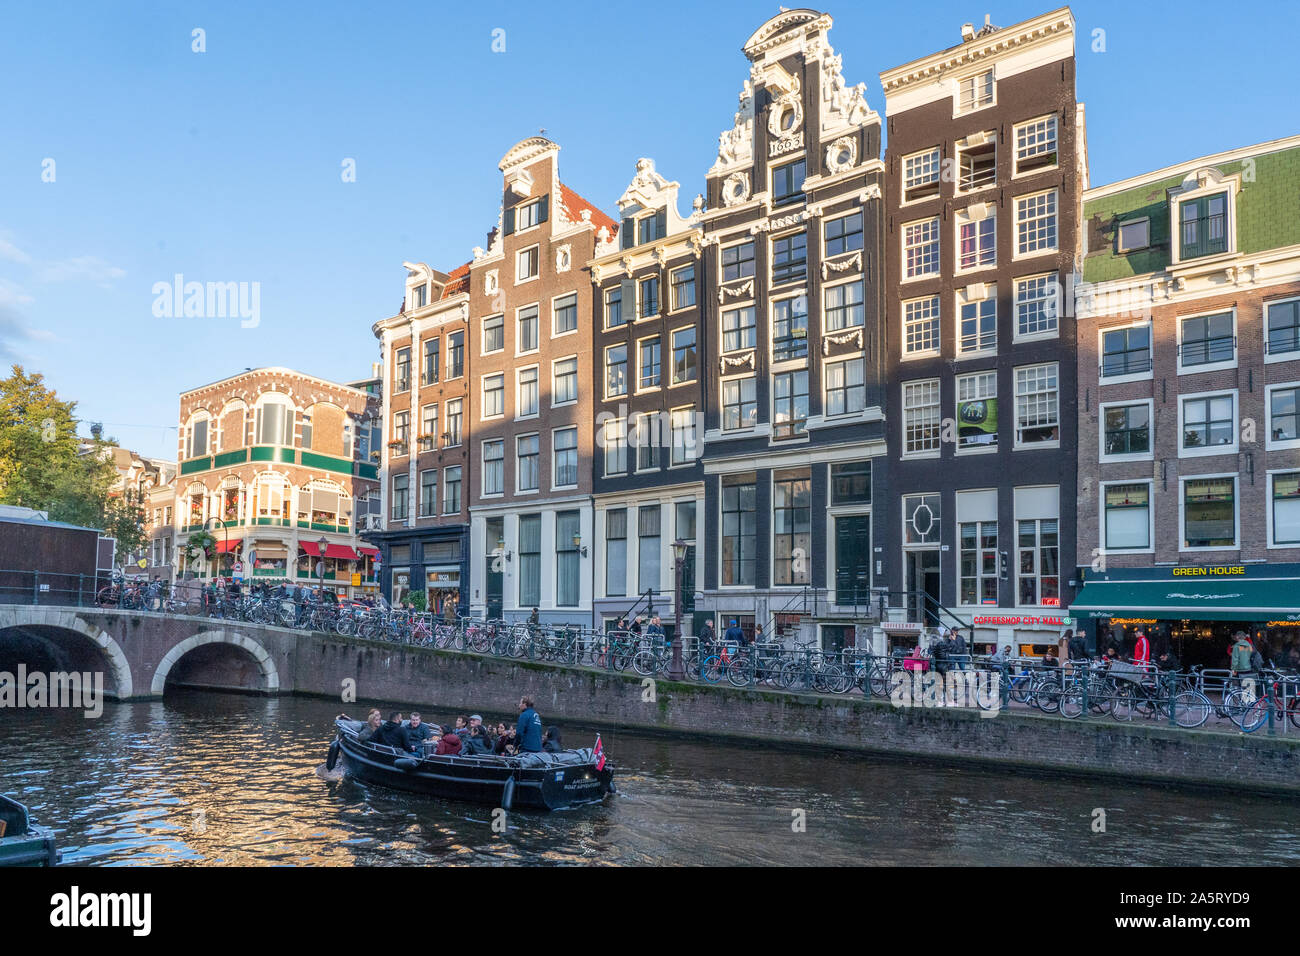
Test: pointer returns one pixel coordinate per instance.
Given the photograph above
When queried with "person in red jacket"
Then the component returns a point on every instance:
(1142, 649)
(448, 745)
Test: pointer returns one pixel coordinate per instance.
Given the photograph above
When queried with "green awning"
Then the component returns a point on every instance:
(1193, 599)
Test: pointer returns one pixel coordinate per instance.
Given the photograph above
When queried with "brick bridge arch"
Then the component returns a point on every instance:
(15, 616)
(259, 654)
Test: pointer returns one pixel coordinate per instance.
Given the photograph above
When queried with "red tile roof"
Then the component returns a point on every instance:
(575, 204)
(457, 281)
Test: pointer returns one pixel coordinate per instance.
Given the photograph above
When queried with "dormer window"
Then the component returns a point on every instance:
(652, 227)
(419, 296)
(976, 92)
(1203, 226)
(525, 216)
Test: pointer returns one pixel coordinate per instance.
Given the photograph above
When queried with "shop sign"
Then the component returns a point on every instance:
(1208, 572)
(1023, 621)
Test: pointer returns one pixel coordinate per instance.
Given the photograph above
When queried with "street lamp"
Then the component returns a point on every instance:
(322, 544)
(577, 543)
(675, 669)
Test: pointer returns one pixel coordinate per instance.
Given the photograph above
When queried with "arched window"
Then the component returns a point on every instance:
(196, 435)
(231, 426)
(323, 502)
(195, 505)
(272, 493)
(231, 503)
(274, 425)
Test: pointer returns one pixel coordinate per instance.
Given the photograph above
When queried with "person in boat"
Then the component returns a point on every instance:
(373, 722)
(393, 734)
(475, 720)
(461, 728)
(505, 744)
(449, 745)
(479, 743)
(551, 742)
(529, 728)
(418, 730)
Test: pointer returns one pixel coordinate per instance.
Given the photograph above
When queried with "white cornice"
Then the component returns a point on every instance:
(1216, 159)
(527, 151)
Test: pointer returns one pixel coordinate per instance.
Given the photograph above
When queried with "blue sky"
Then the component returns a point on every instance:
(225, 166)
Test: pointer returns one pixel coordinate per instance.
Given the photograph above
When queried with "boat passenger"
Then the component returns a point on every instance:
(462, 727)
(448, 746)
(505, 744)
(373, 722)
(529, 730)
(475, 720)
(417, 730)
(478, 744)
(551, 742)
(393, 734)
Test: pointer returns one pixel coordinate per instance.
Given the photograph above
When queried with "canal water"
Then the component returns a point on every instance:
(206, 779)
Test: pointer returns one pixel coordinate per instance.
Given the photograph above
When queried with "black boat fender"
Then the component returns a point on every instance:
(331, 761)
(406, 763)
(508, 793)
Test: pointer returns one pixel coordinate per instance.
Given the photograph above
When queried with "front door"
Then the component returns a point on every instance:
(853, 560)
(922, 580)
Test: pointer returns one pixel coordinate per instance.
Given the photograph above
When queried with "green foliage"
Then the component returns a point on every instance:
(417, 599)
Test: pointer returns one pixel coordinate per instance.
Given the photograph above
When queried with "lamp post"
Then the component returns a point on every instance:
(676, 671)
(322, 544)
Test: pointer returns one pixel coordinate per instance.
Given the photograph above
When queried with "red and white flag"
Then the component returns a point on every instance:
(599, 752)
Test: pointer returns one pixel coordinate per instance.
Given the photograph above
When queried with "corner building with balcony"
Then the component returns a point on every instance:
(985, 168)
(272, 462)
(1189, 403)
(791, 377)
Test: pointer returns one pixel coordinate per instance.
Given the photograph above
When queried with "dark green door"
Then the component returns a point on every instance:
(495, 570)
(688, 582)
(853, 559)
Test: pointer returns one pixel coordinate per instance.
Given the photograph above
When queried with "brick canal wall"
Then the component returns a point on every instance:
(465, 682)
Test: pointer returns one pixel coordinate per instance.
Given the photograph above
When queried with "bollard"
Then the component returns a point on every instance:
(1172, 683)
(1087, 672)
(1272, 730)
(1005, 685)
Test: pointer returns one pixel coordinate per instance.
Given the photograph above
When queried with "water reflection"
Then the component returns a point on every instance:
(210, 779)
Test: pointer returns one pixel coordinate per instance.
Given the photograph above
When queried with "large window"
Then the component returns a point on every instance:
(1126, 351)
(1127, 518)
(454, 418)
(1208, 422)
(494, 467)
(274, 421)
(787, 183)
(401, 432)
(791, 528)
(921, 325)
(684, 443)
(494, 333)
(565, 386)
(431, 362)
(526, 320)
(790, 404)
(615, 371)
(1210, 512)
(456, 354)
(615, 446)
(843, 234)
(1203, 226)
(616, 552)
(977, 162)
(979, 562)
(738, 329)
(614, 307)
(844, 307)
(528, 473)
(530, 560)
(976, 92)
(977, 410)
(739, 532)
(494, 395)
(790, 258)
(1036, 144)
(977, 241)
(921, 248)
(790, 329)
(198, 438)
(683, 284)
(648, 364)
(921, 416)
(566, 313)
(921, 175)
(739, 404)
(1207, 340)
(1126, 429)
(1286, 508)
(1284, 414)
(568, 531)
(402, 371)
(649, 297)
(846, 390)
(451, 490)
(738, 261)
(684, 355)
(401, 489)
(648, 441)
(979, 324)
(527, 262)
(1283, 328)
(1036, 223)
(648, 517)
(429, 427)
(851, 483)
(428, 493)
(1036, 305)
(1038, 414)
(652, 227)
(566, 458)
(526, 400)
(1039, 567)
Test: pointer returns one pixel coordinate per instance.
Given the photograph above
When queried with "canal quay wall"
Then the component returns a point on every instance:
(464, 682)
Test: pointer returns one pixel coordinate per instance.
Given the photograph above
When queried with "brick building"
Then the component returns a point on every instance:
(1189, 398)
(272, 461)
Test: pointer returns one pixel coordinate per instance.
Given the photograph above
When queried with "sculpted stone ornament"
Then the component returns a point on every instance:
(842, 154)
(563, 258)
(735, 189)
(736, 145)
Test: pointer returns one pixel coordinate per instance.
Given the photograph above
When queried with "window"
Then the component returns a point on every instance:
(1127, 516)
(401, 432)
(1283, 327)
(419, 296)
(921, 416)
(273, 423)
(648, 363)
(565, 387)
(652, 227)
(851, 483)
(530, 560)
(456, 354)
(454, 416)
(975, 92)
(565, 314)
(401, 485)
(568, 536)
(648, 548)
(402, 371)
(1286, 508)
(616, 552)
(429, 427)
(684, 444)
(566, 458)
(921, 248)
(1284, 414)
(979, 562)
(526, 398)
(1203, 226)
(527, 264)
(978, 331)
(1036, 145)
(526, 323)
(977, 410)
(1036, 223)
(649, 297)
(430, 374)
(528, 472)
(921, 175)
(1209, 423)
(738, 261)
(615, 443)
(684, 521)
(790, 329)
(843, 234)
(684, 355)
(494, 395)
(198, 438)
(844, 307)
(1039, 580)
(529, 215)
(791, 528)
(921, 325)
(739, 404)
(846, 390)
(739, 532)
(1210, 512)
(1037, 405)
(1037, 306)
(738, 329)
(787, 183)
(977, 240)
(683, 283)
(1126, 351)
(790, 404)
(922, 519)
(615, 371)
(428, 493)
(977, 163)
(614, 307)
(1207, 340)
(647, 442)
(790, 258)
(494, 473)
(1126, 429)
(451, 490)
(494, 333)
(1132, 236)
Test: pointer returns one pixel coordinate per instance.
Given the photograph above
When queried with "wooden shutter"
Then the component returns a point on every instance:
(661, 223)
(510, 221)
(543, 207)
(629, 233)
(628, 305)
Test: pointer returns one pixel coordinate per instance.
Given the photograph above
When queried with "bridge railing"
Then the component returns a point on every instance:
(52, 587)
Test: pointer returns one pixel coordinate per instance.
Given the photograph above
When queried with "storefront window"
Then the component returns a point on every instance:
(1209, 513)
(792, 528)
(1039, 575)
(979, 562)
(530, 560)
(1128, 514)
(1286, 508)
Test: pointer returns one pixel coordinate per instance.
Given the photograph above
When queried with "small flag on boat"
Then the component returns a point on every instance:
(600, 754)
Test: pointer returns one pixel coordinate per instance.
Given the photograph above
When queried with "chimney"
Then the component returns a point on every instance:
(967, 32)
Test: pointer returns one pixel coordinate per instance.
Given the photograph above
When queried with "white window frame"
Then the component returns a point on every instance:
(827, 365)
(672, 287)
(1228, 184)
(1270, 358)
(974, 216)
(1270, 476)
(1212, 450)
(722, 403)
(446, 421)
(627, 378)
(827, 288)
(1017, 444)
(937, 405)
(1151, 516)
(1120, 247)
(976, 295)
(1019, 224)
(693, 452)
(620, 431)
(645, 390)
(672, 356)
(722, 327)
(974, 449)
(577, 323)
(1208, 366)
(1236, 512)
(519, 338)
(483, 460)
(577, 454)
(535, 248)
(938, 331)
(961, 148)
(518, 392)
(1102, 407)
(936, 241)
(1104, 380)
(577, 371)
(1015, 145)
(483, 393)
(1053, 301)
(925, 156)
(1269, 443)
(958, 83)
(482, 337)
(519, 485)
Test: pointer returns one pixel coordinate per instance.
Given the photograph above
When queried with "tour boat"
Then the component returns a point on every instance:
(23, 843)
(540, 781)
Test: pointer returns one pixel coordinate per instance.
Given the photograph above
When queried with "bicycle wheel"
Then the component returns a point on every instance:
(1047, 696)
(712, 669)
(645, 663)
(1022, 688)
(1191, 709)
(1125, 702)
(1255, 716)
(878, 681)
(738, 673)
(833, 680)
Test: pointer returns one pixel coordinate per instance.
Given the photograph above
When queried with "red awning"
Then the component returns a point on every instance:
(340, 551)
(309, 547)
(369, 552)
(225, 546)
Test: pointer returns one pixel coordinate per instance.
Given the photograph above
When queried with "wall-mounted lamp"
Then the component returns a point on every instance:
(577, 543)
